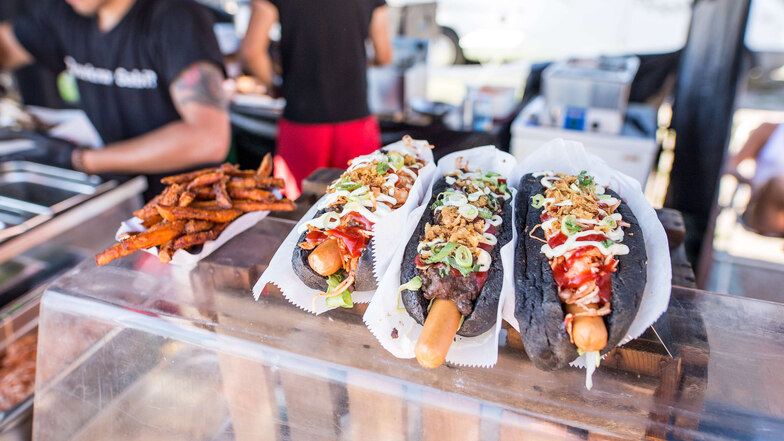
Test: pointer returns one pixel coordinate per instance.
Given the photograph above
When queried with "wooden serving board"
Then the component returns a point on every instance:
(239, 263)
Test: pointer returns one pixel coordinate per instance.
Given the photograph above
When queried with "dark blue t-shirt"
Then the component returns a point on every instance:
(123, 74)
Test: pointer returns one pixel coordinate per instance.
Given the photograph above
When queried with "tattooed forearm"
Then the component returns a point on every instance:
(200, 83)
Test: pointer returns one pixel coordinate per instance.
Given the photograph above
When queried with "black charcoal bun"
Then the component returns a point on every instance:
(364, 278)
(539, 311)
(483, 316)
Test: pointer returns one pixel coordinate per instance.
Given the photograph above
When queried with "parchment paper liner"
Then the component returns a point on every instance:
(186, 259)
(570, 157)
(387, 231)
(386, 312)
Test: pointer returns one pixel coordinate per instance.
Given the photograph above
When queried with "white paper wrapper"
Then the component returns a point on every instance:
(186, 259)
(387, 231)
(570, 157)
(387, 313)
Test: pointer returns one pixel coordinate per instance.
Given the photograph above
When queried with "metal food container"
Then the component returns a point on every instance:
(32, 193)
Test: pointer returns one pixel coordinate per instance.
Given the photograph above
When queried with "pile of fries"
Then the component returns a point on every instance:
(197, 207)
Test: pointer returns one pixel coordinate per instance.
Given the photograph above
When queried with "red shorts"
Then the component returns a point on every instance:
(302, 148)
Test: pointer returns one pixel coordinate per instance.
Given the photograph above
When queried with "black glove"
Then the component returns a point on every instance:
(48, 150)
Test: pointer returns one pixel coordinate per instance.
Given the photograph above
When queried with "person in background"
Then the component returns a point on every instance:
(765, 211)
(149, 75)
(326, 120)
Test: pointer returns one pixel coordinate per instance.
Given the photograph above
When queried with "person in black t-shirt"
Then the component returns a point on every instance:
(326, 121)
(150, 78)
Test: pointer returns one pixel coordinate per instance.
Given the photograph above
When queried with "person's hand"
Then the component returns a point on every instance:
(48, 150)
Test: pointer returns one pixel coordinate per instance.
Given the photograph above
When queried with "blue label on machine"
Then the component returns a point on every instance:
(575, 118)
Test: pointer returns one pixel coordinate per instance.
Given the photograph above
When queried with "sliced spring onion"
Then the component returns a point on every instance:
(442, 253)
(492, 202)
(436, 204)
(463, 256)
(484, 213)
(607, 243)
(602, 196)
(484, 260)
(423, 245)
(487, 225)
(455, 199)
(473, 197)
(326, 221)
(412, 285)
(569, 225)
(359, 191)
(537, 201)
(468, 211)
(333, 281)
(382, 167)
(610, 222)
(343, 299)
(584, 179)
(348, 186)
(574, 188)
(503, 188)
(463, 270)
(396, 161)
(496, 220)
(340, 300)
(491, 240)
(598, 190)
(450, 180)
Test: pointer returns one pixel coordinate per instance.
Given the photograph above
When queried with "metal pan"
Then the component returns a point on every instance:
(32, 193)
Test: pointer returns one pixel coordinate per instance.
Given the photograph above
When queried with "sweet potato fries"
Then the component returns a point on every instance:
(197, 206)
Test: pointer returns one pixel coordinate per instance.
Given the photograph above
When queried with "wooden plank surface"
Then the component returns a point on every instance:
(514, 382)
(249, 389)
(311, 407)
(377, 408)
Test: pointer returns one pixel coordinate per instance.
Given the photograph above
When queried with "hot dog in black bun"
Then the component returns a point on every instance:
(451, 276)
(333, 253)
(580, 267)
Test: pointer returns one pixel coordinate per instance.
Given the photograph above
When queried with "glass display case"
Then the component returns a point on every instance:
(187, 354)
